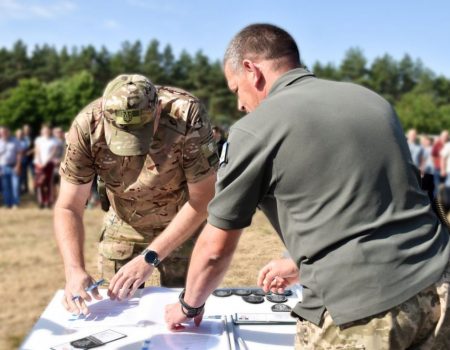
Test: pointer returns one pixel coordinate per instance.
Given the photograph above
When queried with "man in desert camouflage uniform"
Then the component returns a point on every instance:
(153, 149)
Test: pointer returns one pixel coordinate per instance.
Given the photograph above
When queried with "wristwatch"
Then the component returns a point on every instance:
(151, 257)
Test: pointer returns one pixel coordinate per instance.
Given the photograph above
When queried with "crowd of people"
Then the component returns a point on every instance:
(29, 165)
(431, 155)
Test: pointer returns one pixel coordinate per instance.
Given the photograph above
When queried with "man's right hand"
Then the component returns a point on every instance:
(75, 295)
(277, 275)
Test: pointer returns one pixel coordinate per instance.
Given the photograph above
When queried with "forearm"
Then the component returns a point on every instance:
(69, 233)
(209, 262)
(188, 219)
(182, 227)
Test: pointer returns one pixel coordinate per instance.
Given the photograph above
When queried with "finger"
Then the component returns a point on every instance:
(65, 304)
(83, 307)
(134, 287)
(176, 327)
(85, 295)
(262, 274)
(117, 286)
(198, 319)
(267, 282)
(96, 294)
(75, 306)
(80, 303)
(125, 290)
(112, 285)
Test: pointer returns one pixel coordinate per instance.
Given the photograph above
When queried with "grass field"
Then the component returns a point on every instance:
(31, 268)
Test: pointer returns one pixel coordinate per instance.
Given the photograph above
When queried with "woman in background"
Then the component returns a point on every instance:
(44, 153)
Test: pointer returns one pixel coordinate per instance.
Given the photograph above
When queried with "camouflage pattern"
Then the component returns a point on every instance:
(116, 252)
(145, 191)
(421, 323)
(129, 106)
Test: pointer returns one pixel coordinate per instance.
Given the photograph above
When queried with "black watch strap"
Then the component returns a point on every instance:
(188, 310)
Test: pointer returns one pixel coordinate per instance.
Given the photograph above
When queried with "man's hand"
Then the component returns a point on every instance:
(277, 275)
(128, 279)
(75, 295)
(175, 317)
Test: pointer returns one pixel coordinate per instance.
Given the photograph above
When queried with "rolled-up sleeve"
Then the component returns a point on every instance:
(200, 158)
(77, 166)
(242, 181)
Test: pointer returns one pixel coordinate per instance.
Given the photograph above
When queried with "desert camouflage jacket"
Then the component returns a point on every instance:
(145, 191)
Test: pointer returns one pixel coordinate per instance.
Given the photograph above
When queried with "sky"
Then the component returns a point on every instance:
(323, 29)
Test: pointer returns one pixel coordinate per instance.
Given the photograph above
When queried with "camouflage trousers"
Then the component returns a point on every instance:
(420, 323)
(120, 243)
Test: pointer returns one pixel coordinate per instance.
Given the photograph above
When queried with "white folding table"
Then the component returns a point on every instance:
(141, 319)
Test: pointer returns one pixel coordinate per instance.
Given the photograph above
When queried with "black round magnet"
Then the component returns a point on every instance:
(259, 292)
(222, 293)
(281, 308)
(253, 299)
(242, 292)
(276, 298)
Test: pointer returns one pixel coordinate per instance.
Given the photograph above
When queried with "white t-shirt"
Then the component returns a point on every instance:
(45, 148)
(445, 153)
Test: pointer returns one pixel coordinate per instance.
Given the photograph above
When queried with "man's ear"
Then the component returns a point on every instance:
(253, 72)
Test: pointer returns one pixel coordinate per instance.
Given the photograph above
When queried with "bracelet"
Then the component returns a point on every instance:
(190, 311)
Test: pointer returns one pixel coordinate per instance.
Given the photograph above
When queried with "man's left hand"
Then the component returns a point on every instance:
(175, 317)
(128, 279)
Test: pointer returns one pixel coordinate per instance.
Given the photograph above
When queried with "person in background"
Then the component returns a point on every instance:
(438, 145)
(372, 256)
(23, 183)
(45, 148)
(219, 138)
(28, 155)
(427, 169)
(10, 168)
(60, 141)
(415, 148)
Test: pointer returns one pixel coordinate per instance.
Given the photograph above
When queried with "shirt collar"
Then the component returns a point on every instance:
(288, 78)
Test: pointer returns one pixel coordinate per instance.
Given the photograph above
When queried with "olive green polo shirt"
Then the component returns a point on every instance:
(328, 164)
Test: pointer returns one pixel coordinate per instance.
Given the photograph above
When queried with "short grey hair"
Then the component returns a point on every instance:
(262, 41)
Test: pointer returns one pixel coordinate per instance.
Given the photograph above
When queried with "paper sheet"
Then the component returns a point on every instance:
(210, 335)
(107, 312)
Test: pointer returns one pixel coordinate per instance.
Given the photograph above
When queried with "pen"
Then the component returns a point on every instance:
(91, 287)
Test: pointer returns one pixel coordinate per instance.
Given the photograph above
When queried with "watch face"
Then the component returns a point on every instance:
(151, 257)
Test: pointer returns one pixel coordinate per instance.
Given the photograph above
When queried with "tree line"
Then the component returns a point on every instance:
(50, 85)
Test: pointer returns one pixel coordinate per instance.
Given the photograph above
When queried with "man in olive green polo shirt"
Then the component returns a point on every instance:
(328, 163)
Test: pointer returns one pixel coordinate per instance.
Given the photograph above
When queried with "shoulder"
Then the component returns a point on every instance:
(90, 114)
(178, 104)
(85, 122)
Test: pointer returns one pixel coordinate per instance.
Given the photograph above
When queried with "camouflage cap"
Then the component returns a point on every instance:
(129, 107)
